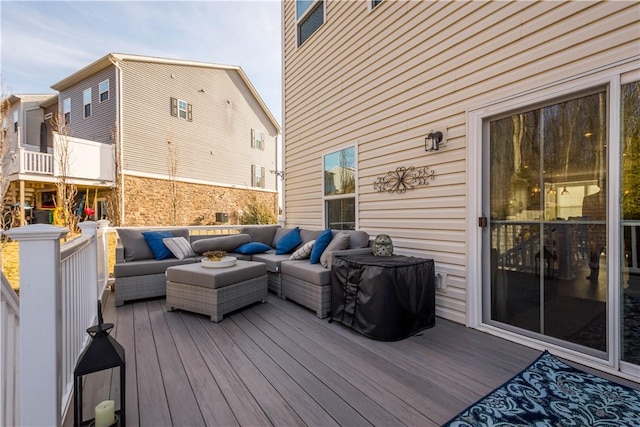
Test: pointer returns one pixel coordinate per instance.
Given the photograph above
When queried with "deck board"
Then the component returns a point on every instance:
(181, 399)
(278, 364)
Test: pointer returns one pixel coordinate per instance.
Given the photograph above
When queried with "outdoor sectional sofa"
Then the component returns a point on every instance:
(139, 275)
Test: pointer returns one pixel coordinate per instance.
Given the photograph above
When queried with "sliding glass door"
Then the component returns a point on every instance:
(546, 200)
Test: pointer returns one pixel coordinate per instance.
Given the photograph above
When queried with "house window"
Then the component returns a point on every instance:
(15, 121)
(310, 15)
(340, 189)
(103, 89)
(374, 3)
(257, 139)
(181, 109)
(86, 102)
(66, 110)
(257, 176)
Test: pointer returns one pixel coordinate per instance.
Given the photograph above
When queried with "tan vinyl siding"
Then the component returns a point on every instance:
(215, 146)
(382, 78)
(99, 126)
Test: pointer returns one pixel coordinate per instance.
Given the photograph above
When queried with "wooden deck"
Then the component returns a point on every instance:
(278, 364)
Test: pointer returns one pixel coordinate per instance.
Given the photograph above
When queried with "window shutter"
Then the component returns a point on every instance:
(253, 138)
(189, 113)
(262, 177)
(253, 175)
(174, 107)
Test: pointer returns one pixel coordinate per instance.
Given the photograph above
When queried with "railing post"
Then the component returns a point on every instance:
(103, 254)
(89, 228)
(40, 323)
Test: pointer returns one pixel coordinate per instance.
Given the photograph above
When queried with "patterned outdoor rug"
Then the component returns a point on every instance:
(552, 393)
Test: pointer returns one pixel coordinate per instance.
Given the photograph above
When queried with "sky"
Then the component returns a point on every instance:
(42, 42)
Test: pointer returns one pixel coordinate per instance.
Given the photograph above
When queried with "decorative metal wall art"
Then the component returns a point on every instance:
(404, 178)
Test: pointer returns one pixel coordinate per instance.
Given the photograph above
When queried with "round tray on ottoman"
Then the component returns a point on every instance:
(227, 261)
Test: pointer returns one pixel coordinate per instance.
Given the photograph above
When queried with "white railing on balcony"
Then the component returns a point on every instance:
(85, 160)
(59, 289)
(9, 354)
(36, 162)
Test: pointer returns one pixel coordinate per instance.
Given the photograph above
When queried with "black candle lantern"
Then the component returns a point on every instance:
(103, 352)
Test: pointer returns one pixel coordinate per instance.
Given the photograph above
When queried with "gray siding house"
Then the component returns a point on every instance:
(191, 139)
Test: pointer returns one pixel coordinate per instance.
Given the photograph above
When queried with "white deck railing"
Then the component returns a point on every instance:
(9, 355)
(36, 162)
(44, 331)
(59, 288)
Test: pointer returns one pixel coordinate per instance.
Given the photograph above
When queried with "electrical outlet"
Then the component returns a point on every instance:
(441, 281)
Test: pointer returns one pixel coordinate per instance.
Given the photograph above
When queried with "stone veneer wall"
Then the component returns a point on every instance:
(148, 202)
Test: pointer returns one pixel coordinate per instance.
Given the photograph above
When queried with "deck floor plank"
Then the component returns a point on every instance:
(126, 338)
(211, 401)
(226, 335)
(342, 363)
(152, 398)
(305, 392)
(278, 364)
(357, 390)
(183, 406)
(244, 406)
(423, 395)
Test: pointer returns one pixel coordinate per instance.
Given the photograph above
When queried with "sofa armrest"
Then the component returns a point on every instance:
(359, 251)
(119, 253)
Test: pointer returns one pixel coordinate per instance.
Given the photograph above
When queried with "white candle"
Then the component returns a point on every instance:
(105, 413)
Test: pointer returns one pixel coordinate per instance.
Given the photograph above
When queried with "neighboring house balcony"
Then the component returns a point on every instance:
(87, 162)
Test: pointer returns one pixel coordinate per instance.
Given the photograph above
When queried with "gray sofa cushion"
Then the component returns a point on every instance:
(221, 243)
(261, 233)
(339, 242)
(146, 267)
(217, 277)
(279, 234)
(303, 270)
(271, 260)
(136, 247)
(309, 235)
(359, 238)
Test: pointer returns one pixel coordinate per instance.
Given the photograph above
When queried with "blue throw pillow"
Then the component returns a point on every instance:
(252, 248)
(289, 242)
(157, 246)
(322, 241)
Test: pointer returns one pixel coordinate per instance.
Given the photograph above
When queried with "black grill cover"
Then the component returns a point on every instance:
(386, 298)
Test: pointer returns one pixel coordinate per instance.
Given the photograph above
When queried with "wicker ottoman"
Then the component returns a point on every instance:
(216, 291)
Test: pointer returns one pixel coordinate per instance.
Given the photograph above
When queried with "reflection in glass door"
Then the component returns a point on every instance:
(630, 223)
(547, 228)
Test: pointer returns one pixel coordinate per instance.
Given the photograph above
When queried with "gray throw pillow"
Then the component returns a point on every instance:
(339, 242)
(261, 233)
(134, 244)
(222, 243)
(359, 239)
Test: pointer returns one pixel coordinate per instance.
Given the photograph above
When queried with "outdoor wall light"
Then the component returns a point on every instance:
(432, 141)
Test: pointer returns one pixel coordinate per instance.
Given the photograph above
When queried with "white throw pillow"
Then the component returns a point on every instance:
(179, 247)
(304, 252)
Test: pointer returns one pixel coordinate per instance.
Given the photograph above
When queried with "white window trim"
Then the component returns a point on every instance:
(612, 77)
(258, 176)
(341, 196)
(85, 103)
(304, 16)
(100, 92)
(256, 143)
(186, 106)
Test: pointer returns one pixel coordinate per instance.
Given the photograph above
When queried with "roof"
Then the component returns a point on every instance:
(30, 97)
(114, 58)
